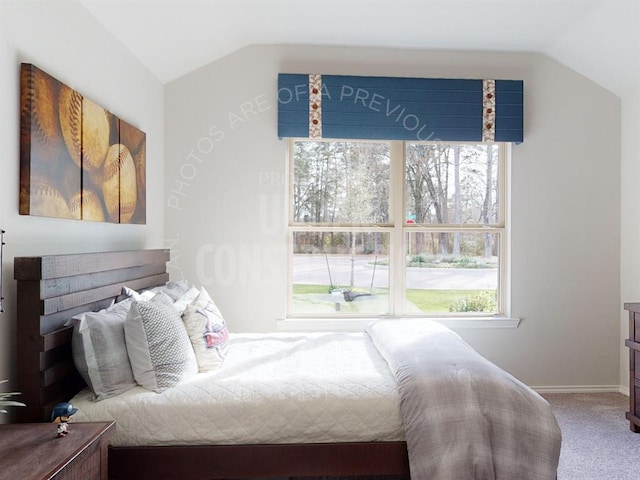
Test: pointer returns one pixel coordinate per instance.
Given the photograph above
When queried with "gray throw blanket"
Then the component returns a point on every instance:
(464, 417)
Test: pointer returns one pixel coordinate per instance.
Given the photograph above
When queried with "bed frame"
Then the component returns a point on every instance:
(53, 288)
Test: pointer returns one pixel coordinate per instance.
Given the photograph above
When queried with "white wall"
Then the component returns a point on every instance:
(65, 41)
(225, 198)
(630, 214)
(611, 31)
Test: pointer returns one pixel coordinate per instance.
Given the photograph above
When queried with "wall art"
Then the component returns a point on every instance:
(77, 159)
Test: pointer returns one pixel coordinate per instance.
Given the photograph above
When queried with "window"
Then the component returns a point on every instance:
(380, 228)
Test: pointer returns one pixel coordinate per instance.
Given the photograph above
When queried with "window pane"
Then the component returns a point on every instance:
(451, 272)
(452, 184)
(341, 182)
(340, 272)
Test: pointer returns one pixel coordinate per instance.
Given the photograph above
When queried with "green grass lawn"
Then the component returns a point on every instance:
(303, 288)
(432, 301)
(427, 301)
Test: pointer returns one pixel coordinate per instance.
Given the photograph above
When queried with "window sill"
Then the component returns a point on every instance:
(359, 324)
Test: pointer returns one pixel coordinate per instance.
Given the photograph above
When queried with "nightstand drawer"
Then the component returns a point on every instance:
(86, 466)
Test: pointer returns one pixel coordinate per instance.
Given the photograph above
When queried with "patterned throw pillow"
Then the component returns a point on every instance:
(207, 331)
(159, 348)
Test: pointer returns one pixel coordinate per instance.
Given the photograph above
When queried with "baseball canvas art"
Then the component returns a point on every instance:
(77, 160)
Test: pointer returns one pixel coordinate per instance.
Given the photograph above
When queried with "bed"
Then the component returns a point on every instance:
(53, 288)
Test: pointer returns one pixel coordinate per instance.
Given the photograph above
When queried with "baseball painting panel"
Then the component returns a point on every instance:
(48, 175)
(133, 174)
(75, 162)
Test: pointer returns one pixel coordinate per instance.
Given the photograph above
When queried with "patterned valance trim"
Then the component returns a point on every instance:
(488, 110)
(393, 108)
(315, 106)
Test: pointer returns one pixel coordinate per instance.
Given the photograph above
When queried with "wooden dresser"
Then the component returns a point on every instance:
(633, 342)
(33, 451)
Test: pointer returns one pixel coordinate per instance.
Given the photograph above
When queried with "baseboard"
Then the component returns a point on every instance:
(583, 389)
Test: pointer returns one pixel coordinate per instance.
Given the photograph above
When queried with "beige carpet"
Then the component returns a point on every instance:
(597, 443)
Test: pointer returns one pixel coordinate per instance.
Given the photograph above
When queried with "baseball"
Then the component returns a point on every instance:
(86, 205)
(39, 121)
(70, 113)
(95, 134)
(96, 177)
(46, 201)
(85, 129)
(119, 184)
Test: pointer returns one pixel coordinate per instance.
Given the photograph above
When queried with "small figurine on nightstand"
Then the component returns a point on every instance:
(61, 415)
(63, 429)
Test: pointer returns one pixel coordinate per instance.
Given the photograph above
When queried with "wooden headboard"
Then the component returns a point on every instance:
(52, 289)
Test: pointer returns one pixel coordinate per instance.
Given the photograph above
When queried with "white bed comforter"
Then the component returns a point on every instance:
(465, 418)
(272, 388)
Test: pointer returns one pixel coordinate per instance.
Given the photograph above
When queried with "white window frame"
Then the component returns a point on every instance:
(397, 228)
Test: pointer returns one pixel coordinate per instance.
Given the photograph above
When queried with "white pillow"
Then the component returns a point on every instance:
(185, 299)
(99, 350)
(207, 331)
(135, 295)
(175, 289)
(179, 292)
(159, 349)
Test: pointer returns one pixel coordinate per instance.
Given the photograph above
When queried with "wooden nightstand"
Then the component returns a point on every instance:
(32, 451)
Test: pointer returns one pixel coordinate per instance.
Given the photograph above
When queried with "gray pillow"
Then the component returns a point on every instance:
(100, 353)
(159, 349)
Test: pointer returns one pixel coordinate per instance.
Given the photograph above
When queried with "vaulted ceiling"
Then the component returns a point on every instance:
(598, 38)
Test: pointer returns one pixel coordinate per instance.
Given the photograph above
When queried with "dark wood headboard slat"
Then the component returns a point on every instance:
(57, 266)
(57, 372)
(57, 287)
(55, 339)
(51, 290)
(55, 321)
(65, 302)
(51, 357)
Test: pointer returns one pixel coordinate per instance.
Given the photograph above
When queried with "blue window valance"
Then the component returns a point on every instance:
(391, 108)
